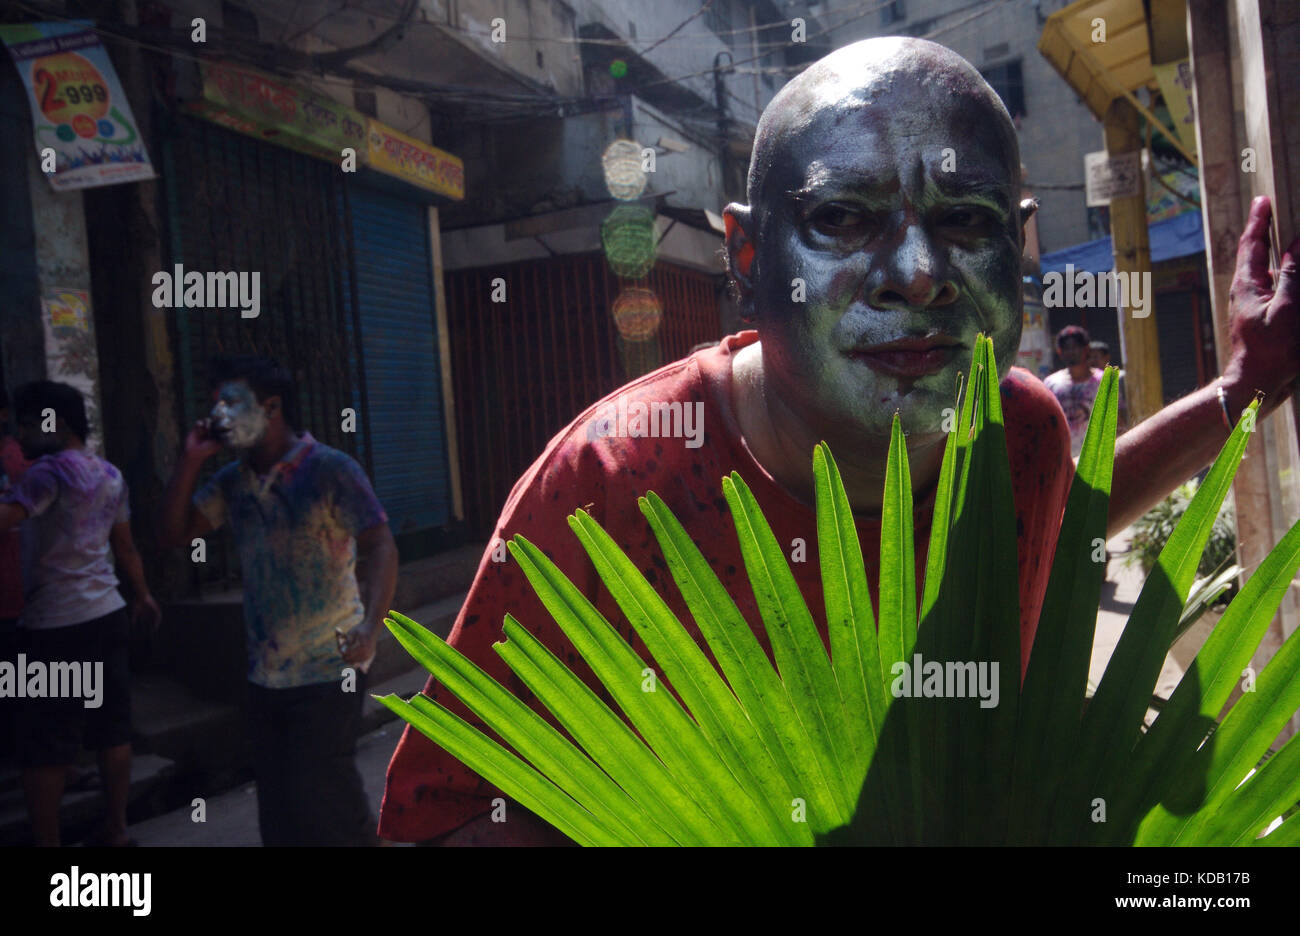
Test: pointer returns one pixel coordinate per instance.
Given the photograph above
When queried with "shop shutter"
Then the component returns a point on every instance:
(526, 368)
(400, 359)
(1175, 324)
(234, 203)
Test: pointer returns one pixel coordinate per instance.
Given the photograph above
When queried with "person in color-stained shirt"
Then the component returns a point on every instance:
(303, 516)
(867, 263)
(1075, 385)
(75, 517)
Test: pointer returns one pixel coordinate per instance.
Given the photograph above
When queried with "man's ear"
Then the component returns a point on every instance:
(738, 220)
(274, 406)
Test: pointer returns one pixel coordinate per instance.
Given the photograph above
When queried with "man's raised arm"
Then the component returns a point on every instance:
(1165, 450)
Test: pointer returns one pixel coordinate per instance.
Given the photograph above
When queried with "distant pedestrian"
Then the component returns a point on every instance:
(1075, 385)
(319, 569)
(74, 510)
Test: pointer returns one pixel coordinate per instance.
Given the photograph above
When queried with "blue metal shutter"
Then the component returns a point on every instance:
(399, 345)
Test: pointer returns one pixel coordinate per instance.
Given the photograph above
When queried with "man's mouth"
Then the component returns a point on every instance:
(909, 357)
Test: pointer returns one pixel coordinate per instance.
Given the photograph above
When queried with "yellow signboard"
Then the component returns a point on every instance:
(396, 154)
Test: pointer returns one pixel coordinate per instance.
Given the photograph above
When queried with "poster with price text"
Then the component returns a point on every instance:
(80, 115)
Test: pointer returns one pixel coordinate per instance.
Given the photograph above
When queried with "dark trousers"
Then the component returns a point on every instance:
(304, 760)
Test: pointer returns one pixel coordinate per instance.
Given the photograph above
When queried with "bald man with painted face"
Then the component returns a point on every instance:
(883, 232)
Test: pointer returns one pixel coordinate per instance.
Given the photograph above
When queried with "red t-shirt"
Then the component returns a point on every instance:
(430, 793)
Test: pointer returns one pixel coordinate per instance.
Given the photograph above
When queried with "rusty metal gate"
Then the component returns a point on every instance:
(524, 368)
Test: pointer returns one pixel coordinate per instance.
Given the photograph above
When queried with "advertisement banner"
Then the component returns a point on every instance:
(70, 351)
(84, 129)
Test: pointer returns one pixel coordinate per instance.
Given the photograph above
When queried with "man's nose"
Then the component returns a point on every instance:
(914, 275)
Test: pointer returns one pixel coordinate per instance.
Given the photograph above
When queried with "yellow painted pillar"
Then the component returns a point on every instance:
(1128, 232)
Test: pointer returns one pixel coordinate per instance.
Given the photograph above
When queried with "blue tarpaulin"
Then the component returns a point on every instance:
(1171, 238)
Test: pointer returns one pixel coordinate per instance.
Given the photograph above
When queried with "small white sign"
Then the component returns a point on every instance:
(1110, 177)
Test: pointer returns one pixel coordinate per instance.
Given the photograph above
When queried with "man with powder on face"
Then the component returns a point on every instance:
(319, 570)
(903, 263)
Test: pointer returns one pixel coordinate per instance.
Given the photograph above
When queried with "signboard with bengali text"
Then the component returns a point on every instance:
(252, 102)
(406, 158)
(1107, 177)
(257, 104)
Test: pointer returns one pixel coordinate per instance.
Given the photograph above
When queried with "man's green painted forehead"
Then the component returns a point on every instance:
(871, 95)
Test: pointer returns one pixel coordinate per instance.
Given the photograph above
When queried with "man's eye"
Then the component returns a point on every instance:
(969, 219)
(838, 219)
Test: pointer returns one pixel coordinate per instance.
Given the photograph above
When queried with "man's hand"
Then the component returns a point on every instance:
(145, 612)
(377, 582)
(1166, 449)
(201, 444)
(358, 645)
(1264, 322)
(179, 521)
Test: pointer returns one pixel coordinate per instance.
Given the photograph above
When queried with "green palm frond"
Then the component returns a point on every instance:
(832, 749)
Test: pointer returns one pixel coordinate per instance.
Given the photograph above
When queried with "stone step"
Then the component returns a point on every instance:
(428, 580)
(201, 736)
(438, 616)
(201, 641)
(82, 809)
(404, 685)
(182, 734)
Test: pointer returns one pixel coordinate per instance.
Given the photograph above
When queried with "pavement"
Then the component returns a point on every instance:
(231, 818)
(1119, 593)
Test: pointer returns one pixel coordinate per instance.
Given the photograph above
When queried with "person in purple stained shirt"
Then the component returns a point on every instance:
(319, 569)
(1075, 385)
(74, 511)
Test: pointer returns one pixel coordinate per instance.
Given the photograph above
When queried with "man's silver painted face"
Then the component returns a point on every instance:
(899, 217)
(237, 419)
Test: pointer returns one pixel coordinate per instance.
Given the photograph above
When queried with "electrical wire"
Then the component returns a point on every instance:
(469, 97)
(678, 28)
(710, 36)
(526, 106)
(993, 5)
(754, 58)
(962, 22)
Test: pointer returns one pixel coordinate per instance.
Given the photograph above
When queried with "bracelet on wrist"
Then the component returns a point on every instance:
(1223, 405)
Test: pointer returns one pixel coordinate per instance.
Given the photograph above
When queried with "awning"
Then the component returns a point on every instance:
(1174, 237)
(1103, 49)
